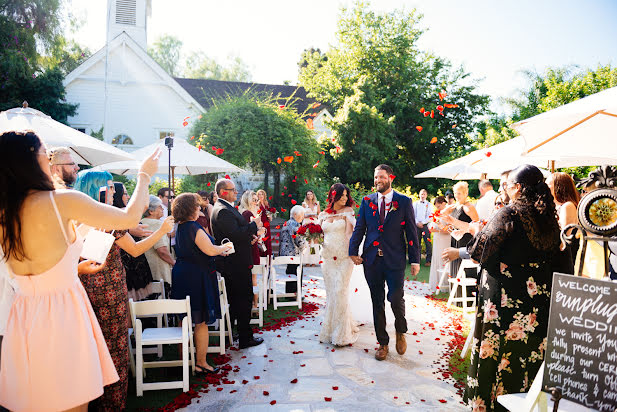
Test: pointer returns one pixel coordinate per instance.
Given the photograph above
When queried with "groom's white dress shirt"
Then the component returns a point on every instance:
(422, 209)
(388, 201)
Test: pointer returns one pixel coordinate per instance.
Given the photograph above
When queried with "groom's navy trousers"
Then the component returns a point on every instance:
(386, 245)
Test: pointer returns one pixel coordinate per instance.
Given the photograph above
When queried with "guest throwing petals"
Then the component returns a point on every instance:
(518, 251)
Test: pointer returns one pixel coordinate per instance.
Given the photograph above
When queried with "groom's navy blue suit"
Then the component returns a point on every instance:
(397, 238)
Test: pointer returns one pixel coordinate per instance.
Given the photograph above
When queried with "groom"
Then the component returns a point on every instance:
(388, 227)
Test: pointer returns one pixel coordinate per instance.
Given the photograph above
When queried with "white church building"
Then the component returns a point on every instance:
(122, 89)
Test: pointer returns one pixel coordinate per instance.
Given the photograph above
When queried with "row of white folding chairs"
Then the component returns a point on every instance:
(159, 336)
(460, 284)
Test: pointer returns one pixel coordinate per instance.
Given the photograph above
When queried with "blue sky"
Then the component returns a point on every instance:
(494, 40)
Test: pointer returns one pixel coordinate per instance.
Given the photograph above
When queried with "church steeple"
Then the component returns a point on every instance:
(129, 16)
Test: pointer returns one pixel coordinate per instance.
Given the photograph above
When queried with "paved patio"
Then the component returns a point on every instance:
(292, 371)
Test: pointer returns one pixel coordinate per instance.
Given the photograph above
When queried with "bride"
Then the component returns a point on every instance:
(337, 222)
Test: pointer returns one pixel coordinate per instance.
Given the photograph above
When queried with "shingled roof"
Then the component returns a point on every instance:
(206, 91)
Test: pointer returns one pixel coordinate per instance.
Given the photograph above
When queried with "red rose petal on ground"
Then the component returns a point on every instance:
(335, 388)
(420, 352)
(255, 377)
(303, 365)
(294, 381)
(327, 399)
(334, 258)
(244, 382)
(219, 389)
(443, 401)
(272, 402)
(266, 393)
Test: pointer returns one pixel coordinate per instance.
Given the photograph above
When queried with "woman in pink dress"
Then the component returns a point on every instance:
(54, 356)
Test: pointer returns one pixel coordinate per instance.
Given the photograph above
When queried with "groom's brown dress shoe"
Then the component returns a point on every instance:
(382, 352)
(401, 343)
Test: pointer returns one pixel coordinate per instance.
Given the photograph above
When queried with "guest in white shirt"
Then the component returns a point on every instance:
(423, 209)
(486, 203)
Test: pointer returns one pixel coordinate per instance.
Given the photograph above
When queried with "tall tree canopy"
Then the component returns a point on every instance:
(29, 31)
(394, 103)
(253, 131)
(167, 52)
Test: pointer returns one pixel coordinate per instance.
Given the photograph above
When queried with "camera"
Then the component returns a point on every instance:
(169, 142)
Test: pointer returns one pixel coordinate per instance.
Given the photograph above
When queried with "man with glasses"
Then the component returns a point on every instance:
(166, 196)
(63, 166)
(228, 223)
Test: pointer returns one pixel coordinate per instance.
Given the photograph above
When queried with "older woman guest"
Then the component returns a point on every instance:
(291, 245)
(108, 292)
(265, 209)
(464, 211)
(249, 208)
(566, 199)
(519, 251)
(158, 256)
(194, 273)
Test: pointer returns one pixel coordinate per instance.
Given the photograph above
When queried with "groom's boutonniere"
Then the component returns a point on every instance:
(393, 206)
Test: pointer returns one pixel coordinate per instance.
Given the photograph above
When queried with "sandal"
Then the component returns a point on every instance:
(204, 370)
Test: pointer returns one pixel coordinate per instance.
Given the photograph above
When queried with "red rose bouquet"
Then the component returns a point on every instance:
(312, 232)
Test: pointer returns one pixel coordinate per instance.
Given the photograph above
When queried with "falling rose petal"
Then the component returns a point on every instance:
(208, 184)
(419, 128)
(185, 124)
(489, 154)
(411, 243)
(281, 106)
(192, 137)
(309, 124)
(422, 110)
(403, 223)
(392, 177)
(227, 177)
(219, 151)
(316, 164)
(199, 148)
(440, 108)
(375, 243)
(322, 153)
(432, 114)
(433, 140)
(454, 126)
(293, 202)
(427, 114)
(356, 290)
(305, 181)
(279, 160)
(450, 106)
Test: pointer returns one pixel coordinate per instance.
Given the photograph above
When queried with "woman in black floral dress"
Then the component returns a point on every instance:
(518, 251)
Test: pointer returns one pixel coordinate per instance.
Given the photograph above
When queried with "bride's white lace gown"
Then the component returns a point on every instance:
(338, 326)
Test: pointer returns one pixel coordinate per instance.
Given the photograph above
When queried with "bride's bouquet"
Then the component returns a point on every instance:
(312, 232)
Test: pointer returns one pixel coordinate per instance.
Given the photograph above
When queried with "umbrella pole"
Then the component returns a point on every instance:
(552, 166)
(173, 178)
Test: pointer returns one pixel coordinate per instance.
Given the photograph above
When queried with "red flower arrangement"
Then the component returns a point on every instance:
(312, 232)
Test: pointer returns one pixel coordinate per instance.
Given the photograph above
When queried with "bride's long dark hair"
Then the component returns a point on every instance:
(334, 195)
(20, 173)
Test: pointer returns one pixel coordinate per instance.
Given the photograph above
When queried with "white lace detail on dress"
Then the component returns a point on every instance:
(338, 326)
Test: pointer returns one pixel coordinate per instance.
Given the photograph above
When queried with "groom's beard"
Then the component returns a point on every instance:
(384, 187)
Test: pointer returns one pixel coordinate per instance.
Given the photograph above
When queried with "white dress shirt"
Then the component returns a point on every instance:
(388, 201)
(422, 209)
(486, 204)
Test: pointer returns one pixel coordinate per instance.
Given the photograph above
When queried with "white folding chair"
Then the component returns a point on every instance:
(261, 272)
(461, 282)
(444, 274)
(224, 324)
(162, 336)
(277, 274)
(157, 287)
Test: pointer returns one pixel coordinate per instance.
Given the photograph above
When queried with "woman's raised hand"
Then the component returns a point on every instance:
(150, 165)
(168, 224)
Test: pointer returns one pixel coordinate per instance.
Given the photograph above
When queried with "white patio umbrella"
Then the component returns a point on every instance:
(486, 163)
(186, 159)
(581, 133)
(86, 149)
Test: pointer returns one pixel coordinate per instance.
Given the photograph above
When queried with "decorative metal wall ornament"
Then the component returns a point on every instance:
(597, 213)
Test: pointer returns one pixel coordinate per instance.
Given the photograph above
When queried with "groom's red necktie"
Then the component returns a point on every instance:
(382, 210)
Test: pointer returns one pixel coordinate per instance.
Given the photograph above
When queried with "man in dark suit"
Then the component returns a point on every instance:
(228, 223)
(387, 224)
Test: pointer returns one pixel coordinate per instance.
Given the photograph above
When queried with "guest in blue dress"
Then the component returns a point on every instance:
(194, 273)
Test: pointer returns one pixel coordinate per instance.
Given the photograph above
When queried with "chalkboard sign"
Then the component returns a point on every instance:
(581, 350)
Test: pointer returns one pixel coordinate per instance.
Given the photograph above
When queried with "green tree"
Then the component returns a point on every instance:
(167, 51)
(376, 76)
(255, 132)
(200, 66)
(28, 30)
